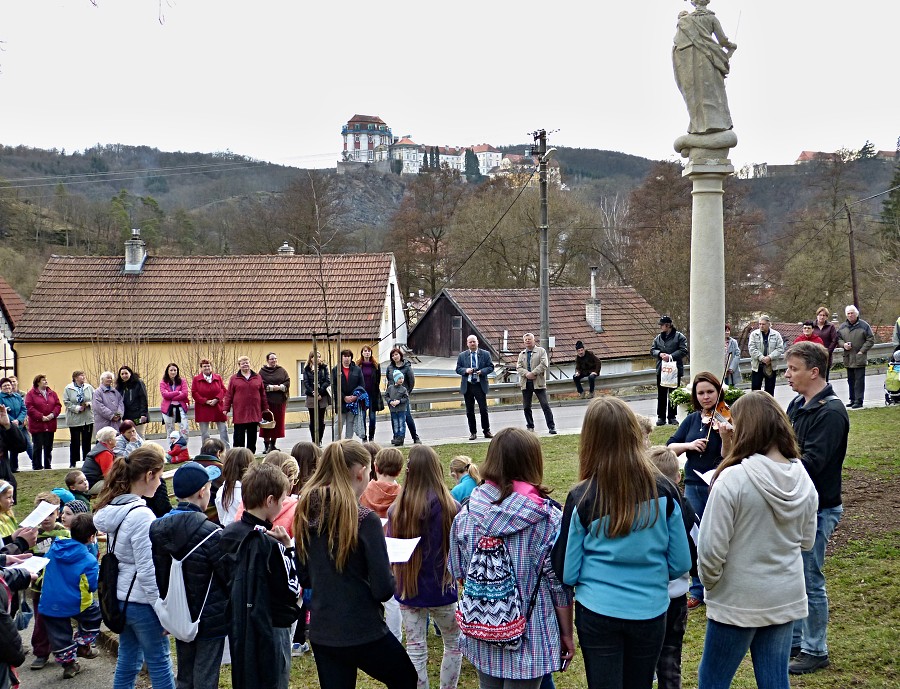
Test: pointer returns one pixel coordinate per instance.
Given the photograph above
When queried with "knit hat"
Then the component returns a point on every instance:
(397, 376)
(77, 506)
(191, 477)
(174, 436)
(579, 345)
(65, 496)
(665, 320)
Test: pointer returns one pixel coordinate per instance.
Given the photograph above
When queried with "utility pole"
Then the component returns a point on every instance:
(540, 149)
(854, 284)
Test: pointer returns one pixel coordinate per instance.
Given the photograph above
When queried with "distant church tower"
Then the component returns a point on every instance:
(366, 139)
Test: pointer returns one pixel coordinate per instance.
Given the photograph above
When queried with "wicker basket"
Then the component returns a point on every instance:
(268, 420)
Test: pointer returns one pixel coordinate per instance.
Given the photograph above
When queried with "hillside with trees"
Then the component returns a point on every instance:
(787, 235)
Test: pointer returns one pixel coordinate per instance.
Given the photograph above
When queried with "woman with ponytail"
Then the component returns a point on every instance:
(465, 473)
(425, 588)
(122, 513)
(343, 558)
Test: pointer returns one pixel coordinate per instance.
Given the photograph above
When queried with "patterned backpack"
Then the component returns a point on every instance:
(490, 608)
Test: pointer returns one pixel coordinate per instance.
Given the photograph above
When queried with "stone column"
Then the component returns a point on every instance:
(707, 320)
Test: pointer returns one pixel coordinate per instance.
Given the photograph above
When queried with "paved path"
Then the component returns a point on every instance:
(440, 428)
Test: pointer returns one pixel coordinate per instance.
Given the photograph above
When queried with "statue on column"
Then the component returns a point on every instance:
(701, 56)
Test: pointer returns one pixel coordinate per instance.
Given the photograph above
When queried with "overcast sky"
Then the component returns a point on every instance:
(276, 79)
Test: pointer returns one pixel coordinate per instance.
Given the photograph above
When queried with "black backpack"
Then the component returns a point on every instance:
(108, 580)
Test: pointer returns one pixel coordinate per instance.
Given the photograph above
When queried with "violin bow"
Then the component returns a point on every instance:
(719, 393)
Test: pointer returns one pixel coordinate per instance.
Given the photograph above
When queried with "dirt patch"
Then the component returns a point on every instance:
(871, 507)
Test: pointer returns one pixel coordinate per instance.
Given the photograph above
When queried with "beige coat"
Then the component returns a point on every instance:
(540, 362)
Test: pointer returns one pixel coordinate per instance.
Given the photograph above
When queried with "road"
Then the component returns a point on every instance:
(440, 428)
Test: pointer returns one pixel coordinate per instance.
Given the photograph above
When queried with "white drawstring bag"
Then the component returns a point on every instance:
(173, 611)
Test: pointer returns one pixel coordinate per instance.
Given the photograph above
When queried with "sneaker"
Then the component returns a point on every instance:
(72, 669)
(39, 662)
(488, 434)
(694, 603)
(795, 651)
(857, 405)
(552, 431)
(473, 436)
(298, 650)
(417, 440)
(805, 663)
(87, 652)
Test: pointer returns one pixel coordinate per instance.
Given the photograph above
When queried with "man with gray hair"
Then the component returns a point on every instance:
(855, 338)
(765, 346)
(532, 369)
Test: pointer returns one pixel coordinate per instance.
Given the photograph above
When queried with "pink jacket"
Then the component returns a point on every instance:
(37, 408)
(169, 395)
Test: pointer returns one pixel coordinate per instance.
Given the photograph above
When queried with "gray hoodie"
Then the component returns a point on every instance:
(130, 515)
(760, 515)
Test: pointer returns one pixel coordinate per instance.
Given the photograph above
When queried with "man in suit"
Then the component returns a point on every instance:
(474, 365)
(532, 369)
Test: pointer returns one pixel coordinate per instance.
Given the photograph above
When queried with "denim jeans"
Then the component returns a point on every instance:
(697, 494)
(223, 432)
(810, 633)
(398, 423)
(415, 623)
(170, 422)
(619, 654)
(726, 646)
(143, 639)
(410, 424)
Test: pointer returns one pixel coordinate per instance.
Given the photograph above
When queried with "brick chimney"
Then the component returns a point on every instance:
(135, 253)
(592, 306)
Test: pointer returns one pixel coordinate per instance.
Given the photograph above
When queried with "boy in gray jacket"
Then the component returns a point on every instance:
(398, 398)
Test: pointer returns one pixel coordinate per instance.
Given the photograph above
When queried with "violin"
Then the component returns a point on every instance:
(721, 414)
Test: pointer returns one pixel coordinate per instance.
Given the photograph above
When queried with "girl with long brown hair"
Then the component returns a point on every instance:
(425, 509)
(234, 465)
(622, 540)
(122, 513)
(761, 514)
(512, 505)
(343, 558)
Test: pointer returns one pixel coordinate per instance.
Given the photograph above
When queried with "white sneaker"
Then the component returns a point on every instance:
(298, 650)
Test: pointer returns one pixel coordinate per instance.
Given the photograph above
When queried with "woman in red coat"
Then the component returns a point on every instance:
(247, 397)
(208, 392)
(42, 405)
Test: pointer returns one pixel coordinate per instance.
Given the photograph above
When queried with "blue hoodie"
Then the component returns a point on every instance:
(69, 579)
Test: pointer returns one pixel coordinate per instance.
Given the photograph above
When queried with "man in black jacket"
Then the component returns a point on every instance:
(822, 427)
(182, 531)
(587, 365)
(669, 345)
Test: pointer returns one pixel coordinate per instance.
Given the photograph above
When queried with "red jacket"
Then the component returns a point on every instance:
(812, 338)
(169, 395)
(202, 392)
(247, 396)
(178, 453)
(37, 408)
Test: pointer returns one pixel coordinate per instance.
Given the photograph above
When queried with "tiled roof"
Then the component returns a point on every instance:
(483, 148)
(12, 304)
(629, 322)
(260, 297)
(366, 119)
(406, 141)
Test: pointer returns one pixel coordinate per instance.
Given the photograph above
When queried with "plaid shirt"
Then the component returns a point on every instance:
(529, 531)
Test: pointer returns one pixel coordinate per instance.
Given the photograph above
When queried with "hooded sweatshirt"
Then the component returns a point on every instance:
(130, 515)
(69, 579)
(760, 515)
(528, 525)
(379, 495)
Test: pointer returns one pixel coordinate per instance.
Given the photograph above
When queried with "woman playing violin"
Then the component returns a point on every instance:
(699, 439)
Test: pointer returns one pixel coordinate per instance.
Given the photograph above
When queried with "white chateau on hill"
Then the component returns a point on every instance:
(368, 140)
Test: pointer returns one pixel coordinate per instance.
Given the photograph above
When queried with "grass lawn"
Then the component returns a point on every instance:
(863, 574)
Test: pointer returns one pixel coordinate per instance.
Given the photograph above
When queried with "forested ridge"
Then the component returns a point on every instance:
(787, 236)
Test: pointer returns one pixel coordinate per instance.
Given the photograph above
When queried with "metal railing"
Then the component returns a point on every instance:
(423, 398)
